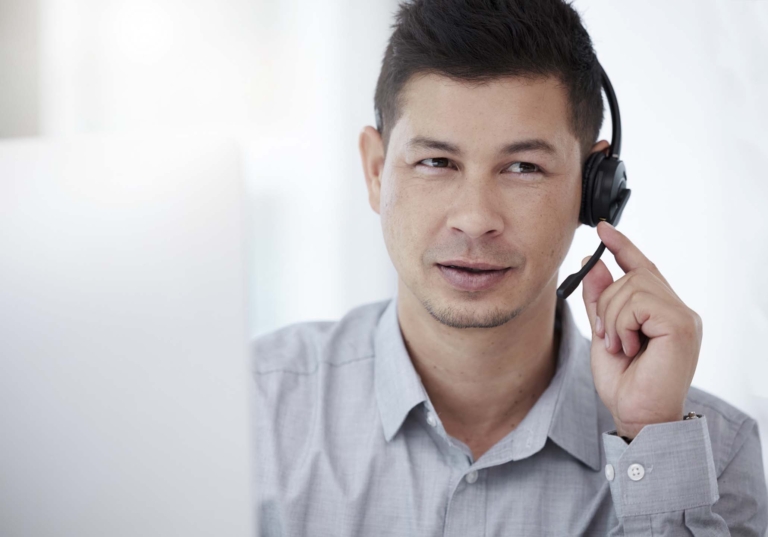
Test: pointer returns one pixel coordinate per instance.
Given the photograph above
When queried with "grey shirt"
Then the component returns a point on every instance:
(347, 443)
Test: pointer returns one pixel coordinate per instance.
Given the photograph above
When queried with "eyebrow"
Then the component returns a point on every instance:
(532, 144)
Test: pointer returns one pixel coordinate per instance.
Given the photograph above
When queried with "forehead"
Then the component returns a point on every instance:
(506, 109)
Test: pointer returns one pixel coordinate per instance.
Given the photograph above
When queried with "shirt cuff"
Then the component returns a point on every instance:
(667, 467)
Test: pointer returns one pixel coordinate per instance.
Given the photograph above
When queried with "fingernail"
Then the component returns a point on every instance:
(624, 349)
(607, 341)
(599, 324)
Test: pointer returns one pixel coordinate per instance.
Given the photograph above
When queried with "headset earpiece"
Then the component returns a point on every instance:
(588, 187)
(603, 181)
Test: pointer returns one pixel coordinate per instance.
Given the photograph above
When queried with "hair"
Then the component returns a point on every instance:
(482, 40)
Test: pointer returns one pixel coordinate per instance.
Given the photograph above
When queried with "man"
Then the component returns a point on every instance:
(470, 404)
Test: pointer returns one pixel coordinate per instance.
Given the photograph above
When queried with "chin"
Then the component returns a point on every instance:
(470, 314)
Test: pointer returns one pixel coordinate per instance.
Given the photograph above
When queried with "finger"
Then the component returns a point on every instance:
(671, 364)
(620, 340)
(628, 256)
(647, 315)
(593, 284)
(606, 297)
(636, 282)
(627, 328)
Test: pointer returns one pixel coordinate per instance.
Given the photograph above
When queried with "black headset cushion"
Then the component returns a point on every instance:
(587, 186)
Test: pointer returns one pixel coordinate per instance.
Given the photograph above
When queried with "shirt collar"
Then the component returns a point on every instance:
(397, 384)
(571, 422)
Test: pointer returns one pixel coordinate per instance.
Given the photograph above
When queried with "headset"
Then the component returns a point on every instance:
(604, 192)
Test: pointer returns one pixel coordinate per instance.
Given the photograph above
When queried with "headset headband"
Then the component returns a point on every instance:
(613, 104)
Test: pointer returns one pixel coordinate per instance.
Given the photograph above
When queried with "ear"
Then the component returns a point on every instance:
(372, 155)
(602, 145)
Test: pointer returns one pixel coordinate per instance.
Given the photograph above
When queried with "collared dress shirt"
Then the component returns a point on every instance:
(348, 444)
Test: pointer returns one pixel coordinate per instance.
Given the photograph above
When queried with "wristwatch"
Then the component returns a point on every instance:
(689, 416)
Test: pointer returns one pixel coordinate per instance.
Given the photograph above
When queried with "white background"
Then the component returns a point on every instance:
(293, 81)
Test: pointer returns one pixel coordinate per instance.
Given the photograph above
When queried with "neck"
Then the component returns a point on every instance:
(482, 381)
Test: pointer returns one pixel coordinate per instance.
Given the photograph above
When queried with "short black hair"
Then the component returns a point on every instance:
(483, 40)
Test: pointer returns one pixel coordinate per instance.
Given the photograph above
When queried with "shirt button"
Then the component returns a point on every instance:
(609, 474)
(431, 419)
(471, 477)
(635, 472)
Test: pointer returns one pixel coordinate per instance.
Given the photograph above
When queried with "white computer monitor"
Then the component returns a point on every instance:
(123, 373)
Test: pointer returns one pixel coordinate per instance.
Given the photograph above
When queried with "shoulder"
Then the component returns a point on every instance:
(294, 378)
(300, 348)
(729, 427)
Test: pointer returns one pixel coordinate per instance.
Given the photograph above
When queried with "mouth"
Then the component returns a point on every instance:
(474, 276)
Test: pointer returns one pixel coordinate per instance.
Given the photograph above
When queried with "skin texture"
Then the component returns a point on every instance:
(485, 357)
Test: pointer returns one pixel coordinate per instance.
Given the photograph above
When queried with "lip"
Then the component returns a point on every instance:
(472, 265)
(466, 281)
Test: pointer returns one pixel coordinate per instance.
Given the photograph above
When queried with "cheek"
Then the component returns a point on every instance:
(396, 215)
(406, 214)
(565, 222)
(551, 223)
(389, 209)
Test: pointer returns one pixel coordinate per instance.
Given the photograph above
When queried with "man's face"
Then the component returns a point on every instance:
(455, 188)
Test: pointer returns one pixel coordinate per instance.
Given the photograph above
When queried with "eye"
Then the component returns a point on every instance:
(525, 168)
(435, 162)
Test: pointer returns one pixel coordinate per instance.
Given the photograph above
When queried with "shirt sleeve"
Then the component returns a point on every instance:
(664, 481)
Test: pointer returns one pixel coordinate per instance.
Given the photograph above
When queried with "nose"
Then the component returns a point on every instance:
(475, 210)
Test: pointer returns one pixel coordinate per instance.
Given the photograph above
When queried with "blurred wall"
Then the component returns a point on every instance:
(19, 68)
(292, 81)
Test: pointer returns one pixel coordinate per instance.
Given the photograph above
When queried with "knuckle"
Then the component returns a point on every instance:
(637, 296)
(690, 325)
(697, 321)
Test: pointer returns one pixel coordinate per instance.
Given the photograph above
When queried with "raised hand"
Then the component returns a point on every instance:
(645, 340)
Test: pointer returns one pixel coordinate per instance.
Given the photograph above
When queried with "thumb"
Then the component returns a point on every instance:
(593, 285)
